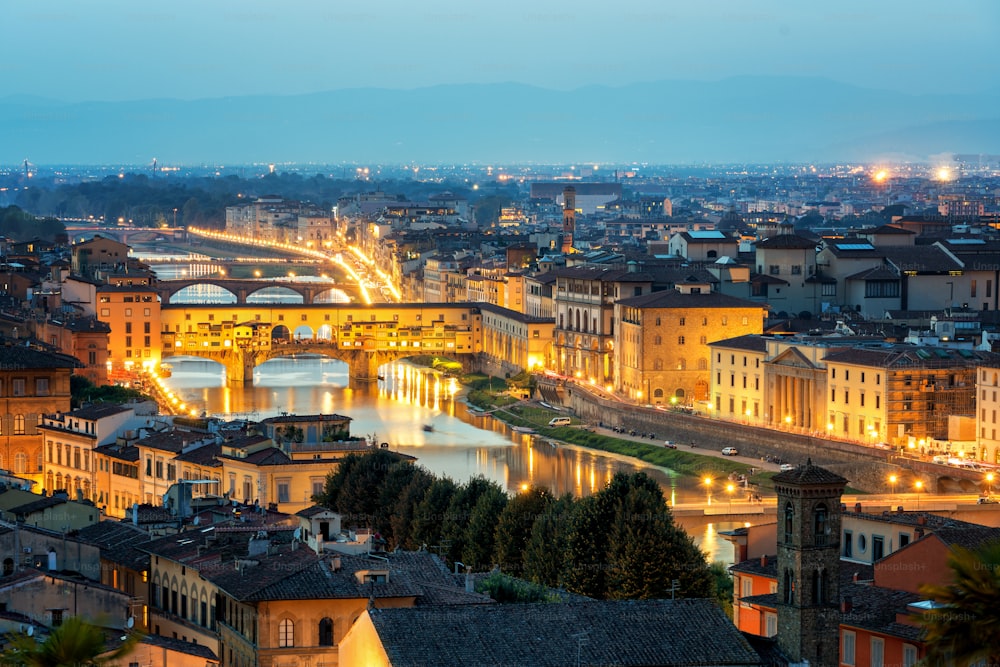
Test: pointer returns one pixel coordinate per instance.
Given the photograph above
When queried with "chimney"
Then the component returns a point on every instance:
(899, 509)
(335, 563)
(857, 508)
(854, 578)
(469, 586)
(846, 605)
(763, 561)
(922, 520)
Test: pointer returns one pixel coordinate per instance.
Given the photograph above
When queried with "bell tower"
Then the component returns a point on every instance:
(809, 564)
(568, 219)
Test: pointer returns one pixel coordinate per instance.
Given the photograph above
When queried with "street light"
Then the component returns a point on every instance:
(708, 488)
(892, 481)
(989, 482)
(918, 485)
(730, 488)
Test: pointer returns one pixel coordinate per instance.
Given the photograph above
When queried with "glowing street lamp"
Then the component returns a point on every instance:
(730, 488)
(707, 481)
(892, 481)
(989, 482)
(919, 486)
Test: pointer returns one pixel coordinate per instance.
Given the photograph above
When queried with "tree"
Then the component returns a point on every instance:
(395, 482)
(513, 530)
(547, 547)
(403, 516)
(456, 520)
(965, 629)
(350, 489)
(480, 536)
(430, 514)
(75, 643)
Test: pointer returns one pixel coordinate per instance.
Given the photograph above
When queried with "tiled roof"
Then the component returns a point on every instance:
(128, 453)
(967, 537)
(787, 242)
(312, 511)
(766, 566)
(889, 229)
(675, 299)
(875, 608)
(118, 542)
(18, 357)
(922, 259)
(97, 412)
(628, 632)
(808, 474)
(170, 441)
(909, 356)
(171, 644)
(36, 506)
(874, 273)
(748, 342)
(206, 455)
(766, 279)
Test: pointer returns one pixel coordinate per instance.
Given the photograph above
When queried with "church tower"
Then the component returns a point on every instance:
(568, 219)
(809, 564)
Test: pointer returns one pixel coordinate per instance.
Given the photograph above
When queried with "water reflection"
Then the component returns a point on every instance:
(460, 444)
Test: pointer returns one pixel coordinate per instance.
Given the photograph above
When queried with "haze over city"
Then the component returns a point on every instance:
(446, 81)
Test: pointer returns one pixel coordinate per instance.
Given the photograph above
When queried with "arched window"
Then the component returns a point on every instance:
(819, 587)
(789, 522)
(821, 525)
(20, 463)
(789, 587)
(657, 393)
(326, 632)
(286, 634)
(18, 424)
(680, 393)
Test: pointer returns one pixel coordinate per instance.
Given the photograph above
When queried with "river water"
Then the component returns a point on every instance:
(459, 443)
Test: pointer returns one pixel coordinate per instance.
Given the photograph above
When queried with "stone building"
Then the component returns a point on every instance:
(808, 606)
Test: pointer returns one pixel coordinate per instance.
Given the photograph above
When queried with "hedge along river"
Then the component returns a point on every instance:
(419, 412)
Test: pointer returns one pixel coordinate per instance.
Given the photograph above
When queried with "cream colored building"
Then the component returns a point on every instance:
(513, 342)
(662, 353)
(738, 378)
(988, 405)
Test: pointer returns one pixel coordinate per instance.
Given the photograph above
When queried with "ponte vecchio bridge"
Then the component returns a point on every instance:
(240, 336)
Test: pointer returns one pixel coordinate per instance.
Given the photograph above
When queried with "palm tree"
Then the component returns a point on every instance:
(75, 643)
(965, 628)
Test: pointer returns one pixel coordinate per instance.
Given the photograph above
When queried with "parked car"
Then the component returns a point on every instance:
(785, 467)
(988, 501)
(729, 451)
(669, 444)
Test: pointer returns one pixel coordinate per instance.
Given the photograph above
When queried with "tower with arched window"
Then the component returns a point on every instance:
(808, 564)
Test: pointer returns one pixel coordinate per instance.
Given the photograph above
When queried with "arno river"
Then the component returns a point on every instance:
(459, 444)
(396, 409)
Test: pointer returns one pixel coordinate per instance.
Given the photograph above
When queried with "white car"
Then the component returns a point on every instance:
(785, 467)
(729, 451)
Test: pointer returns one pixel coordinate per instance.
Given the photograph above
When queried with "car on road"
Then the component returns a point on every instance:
(729, 451)
(988, 501)
(669, 444)
(785, 467)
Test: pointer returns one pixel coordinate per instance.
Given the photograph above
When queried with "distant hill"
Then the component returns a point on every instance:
(752, 119)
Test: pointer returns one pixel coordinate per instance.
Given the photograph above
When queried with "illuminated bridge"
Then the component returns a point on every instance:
(243, 288)
(241, 336)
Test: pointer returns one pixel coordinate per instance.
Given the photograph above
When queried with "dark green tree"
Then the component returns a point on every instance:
(586, 562)
(480, 536)
(456, 519)
(965, 629)
(353, 488)
(402, 518)
(75, 643)
(513, 530)
(397, 478)
(647, 551)
(546, 550)
(429, 516)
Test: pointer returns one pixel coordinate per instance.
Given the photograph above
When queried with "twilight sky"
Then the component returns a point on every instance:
(123, 49)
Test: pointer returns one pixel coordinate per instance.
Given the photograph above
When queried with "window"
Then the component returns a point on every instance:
(41, 386)
(847, 647)
(17, 387)
(789, 522)
(796, 269)
(910, 653)
(680, 340)
(771, 625)
(326, 632)
(878, 652)
(18, 424)
(848, 544)
(286, 634)
(746, 587)
(57, 617)
(878, 549)
(881, 289)
(775, 270)
(283, 492)
(821, 525)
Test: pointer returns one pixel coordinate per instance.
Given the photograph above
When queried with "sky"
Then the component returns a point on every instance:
(114, 50)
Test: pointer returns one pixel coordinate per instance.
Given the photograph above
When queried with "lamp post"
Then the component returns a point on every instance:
(918, 485)
(730, 488)
(989, 485)
(892, 482)
(707, 481)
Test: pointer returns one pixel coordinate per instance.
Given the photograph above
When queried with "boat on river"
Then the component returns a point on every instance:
(522, 429)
